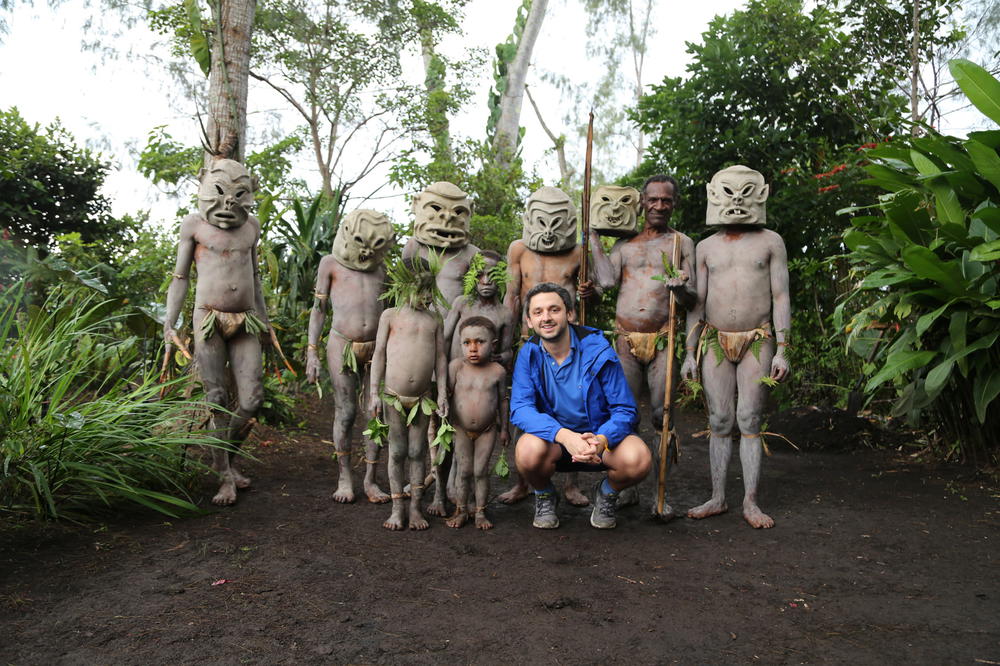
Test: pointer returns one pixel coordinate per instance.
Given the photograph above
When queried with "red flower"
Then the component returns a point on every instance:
(828, 188)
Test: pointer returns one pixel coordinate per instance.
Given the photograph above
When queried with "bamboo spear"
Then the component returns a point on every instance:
(582, 277)
(666, 434)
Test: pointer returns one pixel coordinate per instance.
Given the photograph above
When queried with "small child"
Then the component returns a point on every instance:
(409, 351)
(479, 409)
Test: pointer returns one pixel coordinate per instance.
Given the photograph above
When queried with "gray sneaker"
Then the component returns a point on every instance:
(546, 517)
(603, 515)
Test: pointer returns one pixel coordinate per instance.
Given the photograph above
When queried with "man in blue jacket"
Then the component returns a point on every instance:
(571, 399)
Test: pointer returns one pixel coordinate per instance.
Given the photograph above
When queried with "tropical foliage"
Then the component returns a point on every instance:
(925, 266)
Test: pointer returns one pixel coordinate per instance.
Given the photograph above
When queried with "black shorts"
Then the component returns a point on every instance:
(567, 464)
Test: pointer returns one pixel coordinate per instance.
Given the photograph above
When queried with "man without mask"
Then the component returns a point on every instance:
(738, 331)
(349, 281)
(546, 252)
(229, 312)
(642, 311)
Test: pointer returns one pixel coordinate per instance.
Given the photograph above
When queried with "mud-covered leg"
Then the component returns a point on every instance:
(719, 378)
(210, 356)
(417, 452)
(656, 376)
(398, 447)
(248, 375)
(481, 468)
(520, 490)
(633, 375)
(749, 408)
(375, 494)
(344, 411)
(463, 473)
(439, 472)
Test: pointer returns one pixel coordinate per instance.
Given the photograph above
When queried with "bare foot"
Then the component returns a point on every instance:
(574, 496)
(482, 522)
(628, 497)
(710, 508)
(227, 493)
(757, 518)
(515, 494)
(459, 519)
(240, 480)
(345, 491)
(417, 521)
(436, 508)
(375, 494)
(395, 521)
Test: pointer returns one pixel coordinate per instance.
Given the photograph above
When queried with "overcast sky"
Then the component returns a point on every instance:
(113, 104)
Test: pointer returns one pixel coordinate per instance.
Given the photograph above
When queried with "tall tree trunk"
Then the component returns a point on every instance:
(505, 137)
(437, 108)
(915, 67)
(228, 79)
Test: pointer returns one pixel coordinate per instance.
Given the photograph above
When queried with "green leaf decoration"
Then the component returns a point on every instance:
(413, 413)
(978, 85)
(755, 350)
(502, 468)
(348, 360)
(377, 431)
(768, 381)
(208, 325)
(471, 278)
(442, 439)
(427, 406)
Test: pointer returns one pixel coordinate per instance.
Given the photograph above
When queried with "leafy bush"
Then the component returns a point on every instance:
(926, 262)
(81, 422)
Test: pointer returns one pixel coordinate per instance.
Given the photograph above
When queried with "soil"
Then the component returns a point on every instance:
(875, 558)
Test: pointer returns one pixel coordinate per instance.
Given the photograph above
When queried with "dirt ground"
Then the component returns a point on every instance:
(874, 559)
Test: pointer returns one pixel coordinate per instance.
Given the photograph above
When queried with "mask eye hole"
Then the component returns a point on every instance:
(460, 211)
(379, 242)
(729, 192)
(240, 193)
(605, 198)
(626, 200)
(747, 190)
(435, 207)
(218, 189)
(359, 240)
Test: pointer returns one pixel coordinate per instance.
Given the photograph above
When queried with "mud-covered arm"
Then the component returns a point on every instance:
(378, 361)
(512, 299)
(506, 341)
(503, 408)
(687, 293)
(177, 290)
(317, 317)
(258, 290)
(781, 308)
(441, 370)
(451, 321)
(695, 316)
(410, 249)
(602, 267)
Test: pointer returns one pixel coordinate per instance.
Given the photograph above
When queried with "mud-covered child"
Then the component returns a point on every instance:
(409, 352)
(479, 413)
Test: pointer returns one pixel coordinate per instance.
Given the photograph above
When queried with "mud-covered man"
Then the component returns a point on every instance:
(349, 282)
(572, 401)
(742, 290)
(643, 307)
(229, 312)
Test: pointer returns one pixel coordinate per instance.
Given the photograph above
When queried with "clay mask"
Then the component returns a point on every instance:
(736, 196)
(362, 240)
(442, 216)
(549, 221)
(226, 194)
(614, 210)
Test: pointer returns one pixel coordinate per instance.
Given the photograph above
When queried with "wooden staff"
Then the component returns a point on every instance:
(665, 432)
(582, 277)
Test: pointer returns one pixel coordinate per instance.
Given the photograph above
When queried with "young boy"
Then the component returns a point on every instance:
(409, 350)
(478, 410)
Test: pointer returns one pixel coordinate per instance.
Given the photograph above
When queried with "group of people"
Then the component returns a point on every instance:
(436, 361)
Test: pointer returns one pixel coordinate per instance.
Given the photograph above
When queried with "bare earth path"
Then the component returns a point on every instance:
(872, 561)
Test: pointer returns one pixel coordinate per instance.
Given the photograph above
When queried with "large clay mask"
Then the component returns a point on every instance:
(614, 210)
(362, 240)
(226, 194)
(736, 196)
(442, 216)
(549, 221)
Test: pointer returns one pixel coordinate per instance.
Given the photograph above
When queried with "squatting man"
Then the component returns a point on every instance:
(572, 401)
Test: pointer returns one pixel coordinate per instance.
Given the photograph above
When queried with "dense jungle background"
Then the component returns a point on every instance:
(892, 226)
